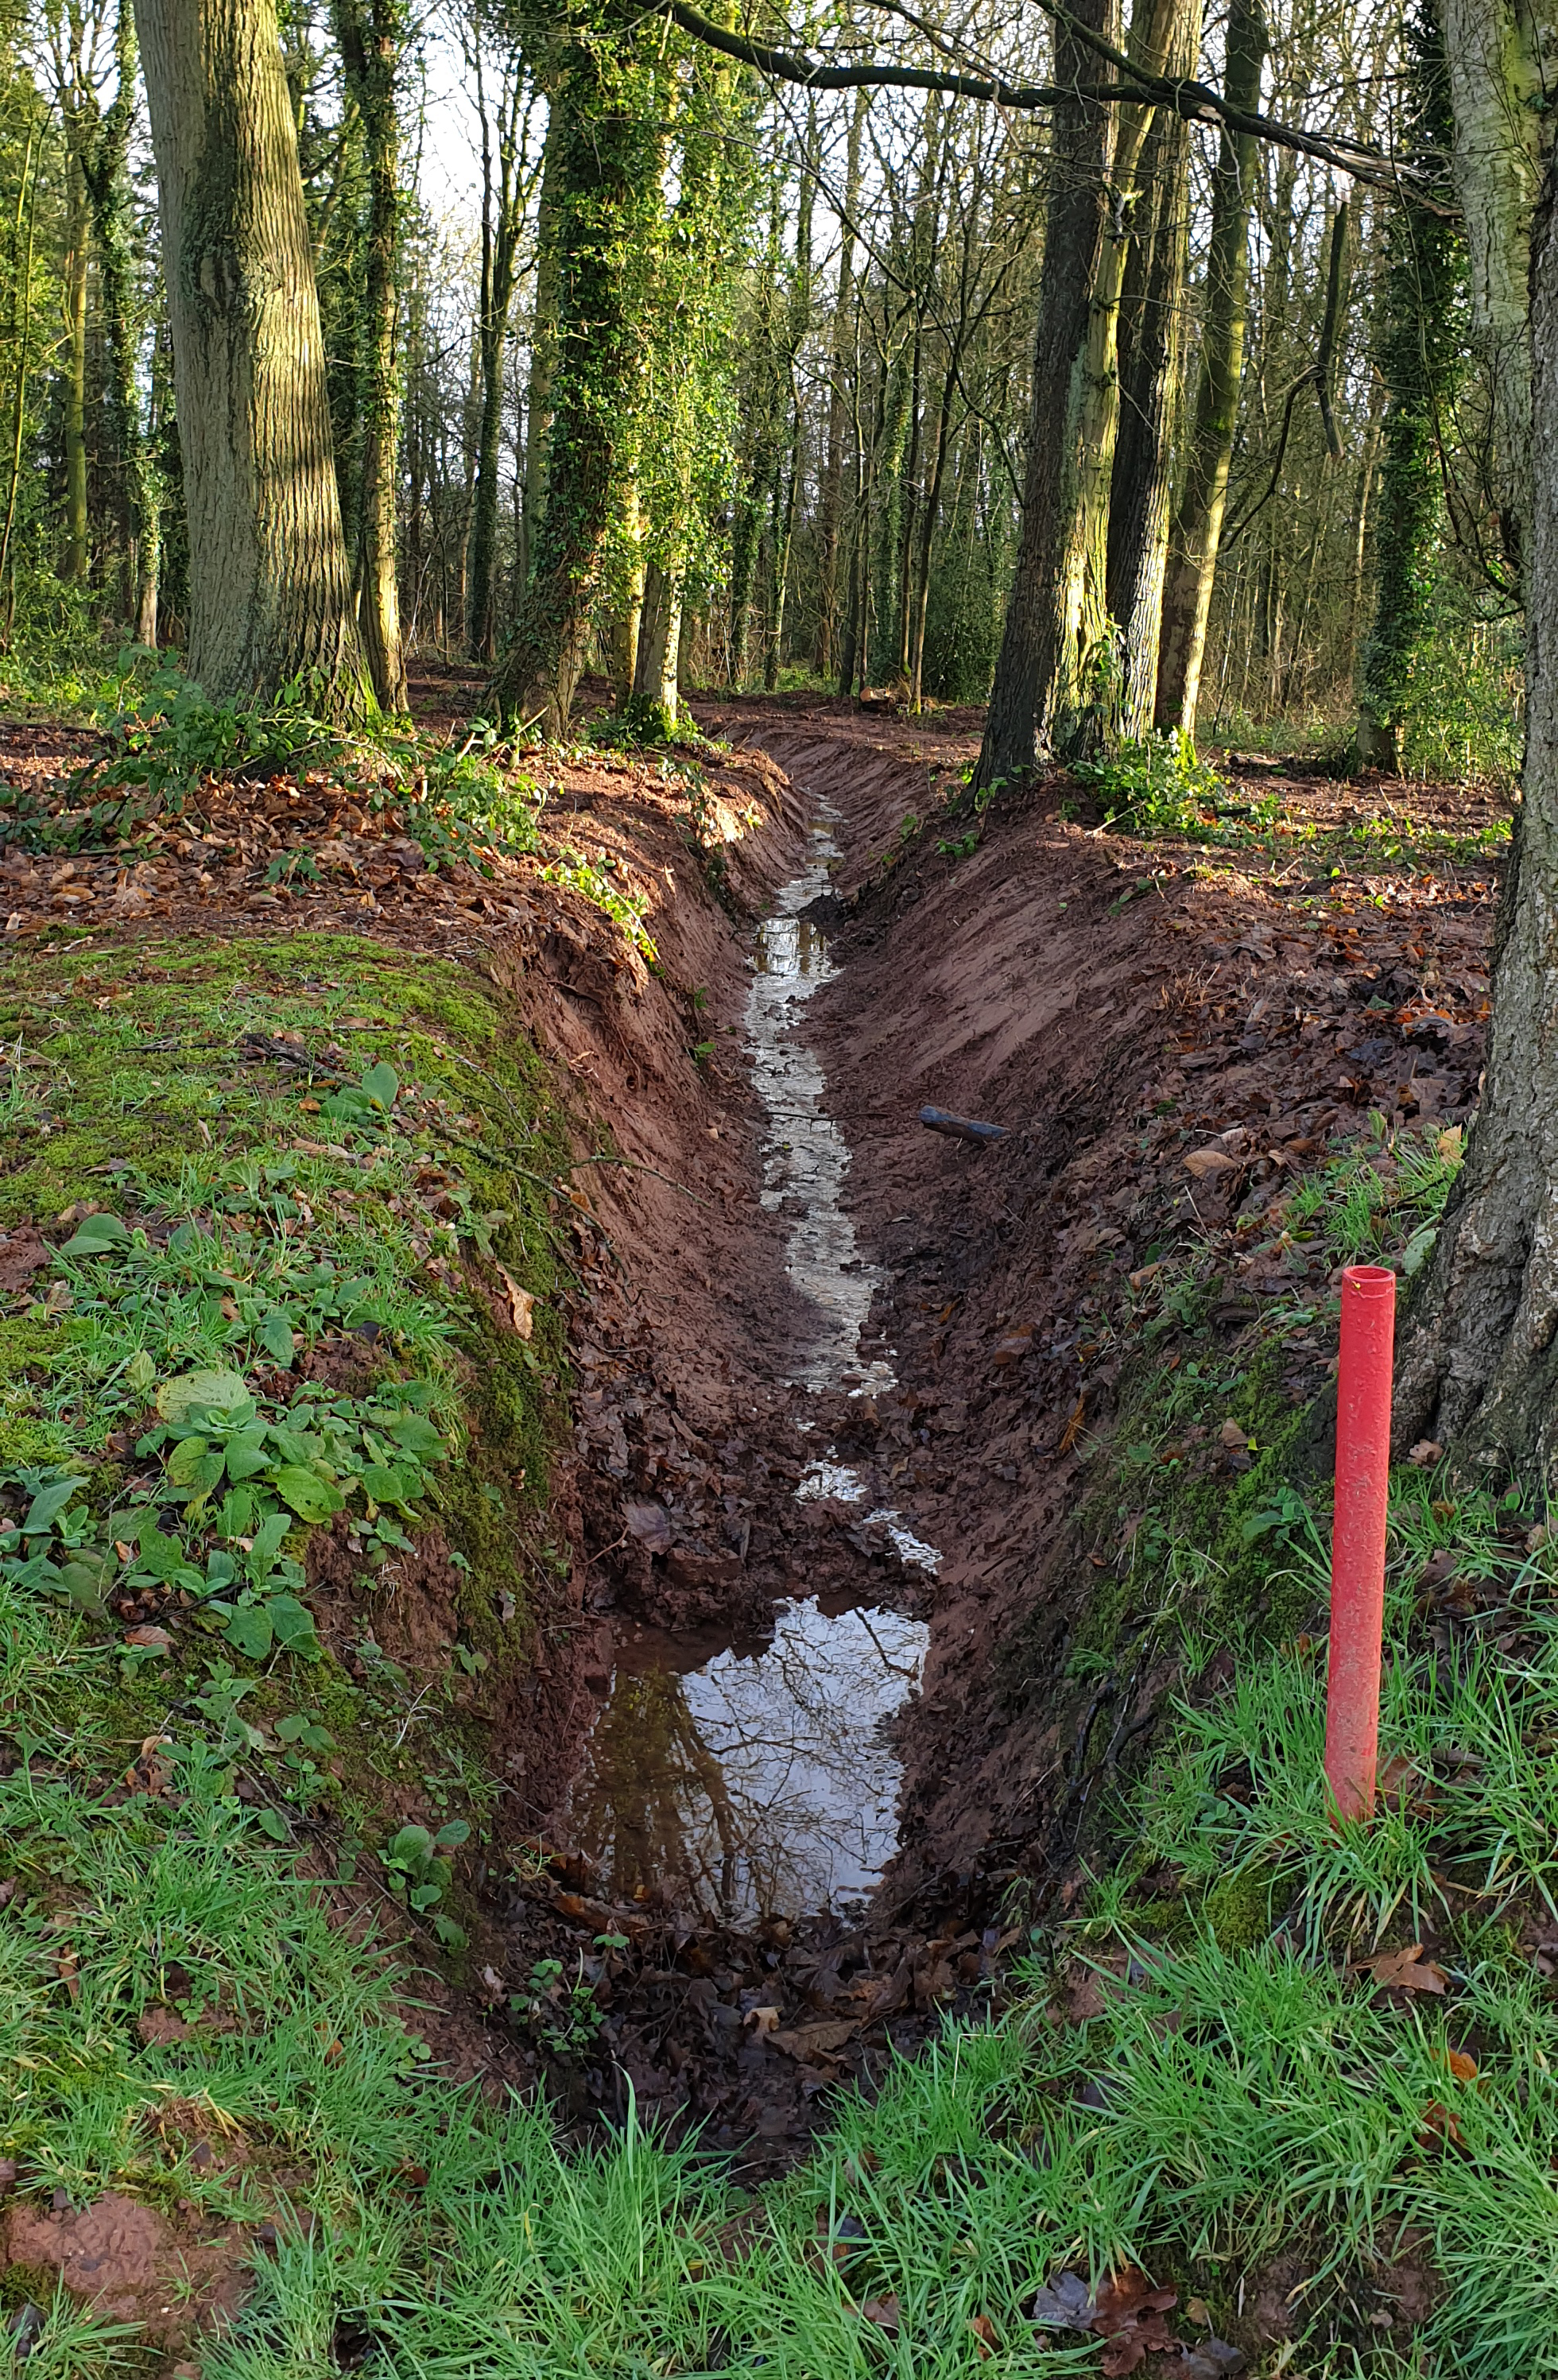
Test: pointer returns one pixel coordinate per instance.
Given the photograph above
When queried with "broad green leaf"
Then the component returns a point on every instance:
(306, 1731)
(311, 1497)
(410, 1844)
(269, 1539)
(387, 1485)
(206, 1476)
(245, 1460)
(140, 1371)
(237, 1517)
(250, 1631)
(425, 1895)
(456, 1832)
(97, 1236)
(276, 1336)
(453, 1937)
(185, 1461)
(192, 1391)
(161, 1555)
(47, 1506)
(294, 1626)
(272, 1824)
(381, 1085)
(417, 1435)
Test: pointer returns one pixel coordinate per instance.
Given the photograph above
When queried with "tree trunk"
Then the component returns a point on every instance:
(1152, 379)
(73, 559)
(605, 135)
(655, 682)
(1478, 1371)
(543, 352)
(838, 405)
(1499, 54)
(628, 623)
(1419, 359)
(1198, 525)
(269, 589)
(1085, 706)
(501, 230)
(371, 36)
(105, 153)
(1029, 671)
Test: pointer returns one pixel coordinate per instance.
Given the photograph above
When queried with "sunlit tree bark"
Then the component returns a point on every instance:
(1478, 1369)
(270, 587)
(1198, 521)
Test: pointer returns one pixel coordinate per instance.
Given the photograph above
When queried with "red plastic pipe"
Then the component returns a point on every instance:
(1358, 1536)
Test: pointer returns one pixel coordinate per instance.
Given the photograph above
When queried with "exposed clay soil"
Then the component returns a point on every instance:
(1071, 989)
(1067, 988)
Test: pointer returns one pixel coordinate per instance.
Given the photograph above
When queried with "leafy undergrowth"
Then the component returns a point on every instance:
(277, 1324)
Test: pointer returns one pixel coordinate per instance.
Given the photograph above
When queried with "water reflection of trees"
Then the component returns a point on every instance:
(754, 1784)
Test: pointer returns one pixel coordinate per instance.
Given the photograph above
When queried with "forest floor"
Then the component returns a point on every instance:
(499, 1395)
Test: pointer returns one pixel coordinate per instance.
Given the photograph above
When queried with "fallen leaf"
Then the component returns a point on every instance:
(65, 1967)
(21, 1255)
(984, 2335)
(1065, 2303)
(1204, 1163)
(149, 1640)
(1197, 2310)
(1463, 2068)
(1213, 2359)
(1232, 1435)
(762, 2021)
(521, 1305)
(1127, 2297)
(884, 2312)
(1010, 1349)
(651, 1523)
(1425, 1453)
(1439, 2126)
(1073, 1429)
(1403, 1971)
(816, 2040)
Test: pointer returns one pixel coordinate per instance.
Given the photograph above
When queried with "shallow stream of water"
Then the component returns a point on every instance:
(760, 1780)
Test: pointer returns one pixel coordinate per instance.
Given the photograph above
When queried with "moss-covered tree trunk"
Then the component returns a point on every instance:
(1419, 351)
(830, 498)
(1151, 382)
(269, 589)
(601, 149)
(1500, 57)
(1082, 147)
(104, 157)
(503, 220)
(1477, 1367)
(1197, 520)
(74, 553)
(543, 359)
(371, 36)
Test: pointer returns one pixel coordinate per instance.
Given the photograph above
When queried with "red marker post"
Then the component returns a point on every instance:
(1358, 1536)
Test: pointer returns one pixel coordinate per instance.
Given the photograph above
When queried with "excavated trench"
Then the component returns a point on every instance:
(759, 1780)
(810, 1720)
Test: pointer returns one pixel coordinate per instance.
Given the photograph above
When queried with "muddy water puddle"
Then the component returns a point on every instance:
(758, 1780)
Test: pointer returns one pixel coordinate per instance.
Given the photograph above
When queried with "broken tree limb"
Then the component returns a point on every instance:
(958, 1127)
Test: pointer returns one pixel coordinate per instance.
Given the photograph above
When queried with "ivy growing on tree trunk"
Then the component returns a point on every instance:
(1421, 342)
